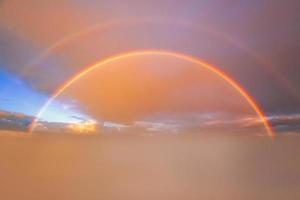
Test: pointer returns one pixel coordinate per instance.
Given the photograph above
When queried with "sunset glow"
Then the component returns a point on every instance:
(149, 100)
(230, 81)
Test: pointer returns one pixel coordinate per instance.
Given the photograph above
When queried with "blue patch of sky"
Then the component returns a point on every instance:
(17, 96)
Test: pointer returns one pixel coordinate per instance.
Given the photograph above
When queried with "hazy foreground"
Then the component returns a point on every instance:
(150, 167)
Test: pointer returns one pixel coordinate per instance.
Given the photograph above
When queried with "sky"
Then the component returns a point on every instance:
(43, 44)
(19, 97)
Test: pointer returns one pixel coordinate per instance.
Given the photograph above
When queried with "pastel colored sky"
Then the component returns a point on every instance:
(43, 44)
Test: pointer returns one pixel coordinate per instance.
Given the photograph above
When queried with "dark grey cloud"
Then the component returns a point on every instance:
(286, 123)
(14, 121)
(15, 51)
(17, 56)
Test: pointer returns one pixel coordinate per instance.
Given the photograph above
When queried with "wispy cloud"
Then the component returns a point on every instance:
(14, 121)
(193, 123)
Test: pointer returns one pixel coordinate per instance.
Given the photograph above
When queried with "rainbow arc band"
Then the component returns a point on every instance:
(191, 59)
(116, 23)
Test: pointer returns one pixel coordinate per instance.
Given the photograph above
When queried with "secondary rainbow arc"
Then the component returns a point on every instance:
(78, 34)
(192, 59)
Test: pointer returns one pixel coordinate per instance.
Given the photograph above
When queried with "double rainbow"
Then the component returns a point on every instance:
(191, 59)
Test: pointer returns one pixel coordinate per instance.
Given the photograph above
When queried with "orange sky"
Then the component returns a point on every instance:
(228, 34)
(150, 86)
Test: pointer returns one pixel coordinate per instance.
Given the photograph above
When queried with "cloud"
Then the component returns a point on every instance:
(17, 54)
(221, 123)
(28, 27)
(160, 123)
(286, 123)
(14, 121)
(15, 51)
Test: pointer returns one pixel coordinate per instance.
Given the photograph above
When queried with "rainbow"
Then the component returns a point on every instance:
(191, 59)
(117, 23)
